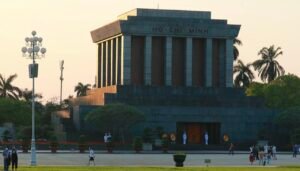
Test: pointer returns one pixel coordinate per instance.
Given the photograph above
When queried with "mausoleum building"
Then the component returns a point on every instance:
(177, 67)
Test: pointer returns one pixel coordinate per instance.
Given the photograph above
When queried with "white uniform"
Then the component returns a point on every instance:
(184, 137)
(206, 138)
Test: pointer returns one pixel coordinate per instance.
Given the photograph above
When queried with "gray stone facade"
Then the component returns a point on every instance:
(239, 117)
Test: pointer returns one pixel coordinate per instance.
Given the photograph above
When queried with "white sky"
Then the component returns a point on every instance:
(65, 26)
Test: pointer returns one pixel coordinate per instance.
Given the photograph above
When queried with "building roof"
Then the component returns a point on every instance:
(158, 22)
(142, 12)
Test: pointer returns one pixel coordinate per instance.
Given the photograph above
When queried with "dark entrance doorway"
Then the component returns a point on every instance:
(195, 132)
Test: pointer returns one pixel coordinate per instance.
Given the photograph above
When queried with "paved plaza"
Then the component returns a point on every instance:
(153, 159)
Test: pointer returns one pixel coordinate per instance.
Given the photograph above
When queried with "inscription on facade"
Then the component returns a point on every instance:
(176, 29)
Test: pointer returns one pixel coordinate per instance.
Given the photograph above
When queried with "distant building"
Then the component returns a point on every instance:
(175, 66)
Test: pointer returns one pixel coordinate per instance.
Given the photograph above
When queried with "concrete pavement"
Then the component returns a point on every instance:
(149, 159)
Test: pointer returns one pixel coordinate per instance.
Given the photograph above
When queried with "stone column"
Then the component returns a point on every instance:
(116, 60)
(208, 62)
(148, 56)
(188, 61)
(229, 63)
(111, 60)
(100, 65)
(126, 59)
(168, 76)
(222, 56)
(106, 63)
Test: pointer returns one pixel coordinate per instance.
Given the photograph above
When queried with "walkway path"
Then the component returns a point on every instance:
(122, 159)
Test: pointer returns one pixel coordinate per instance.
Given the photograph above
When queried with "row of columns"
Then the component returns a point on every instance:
(114, 61)
(110, 63)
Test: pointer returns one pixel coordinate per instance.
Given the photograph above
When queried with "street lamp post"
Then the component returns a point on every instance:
(33, 50)
(61, 65)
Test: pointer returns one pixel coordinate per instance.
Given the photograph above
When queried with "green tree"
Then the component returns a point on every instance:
(268, 67)
(117, 118)
(295, 136)
(82, 89)
(16, 112)
(7, 90)
(243, 74)
(49, 108)
(236, 53)
(255, 89)
(290, 120)
(27, 95)
(282, 93)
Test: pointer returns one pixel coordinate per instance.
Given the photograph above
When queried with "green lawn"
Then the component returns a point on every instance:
(65, 168)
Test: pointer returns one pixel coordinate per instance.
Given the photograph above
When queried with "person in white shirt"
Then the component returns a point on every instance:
(105, 138)
(91, 156)
(184, 138)
(251, 149)
(206, 138)
(266, 147)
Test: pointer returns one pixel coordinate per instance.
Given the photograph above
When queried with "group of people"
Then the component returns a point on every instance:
(263, 154)
(10, 156)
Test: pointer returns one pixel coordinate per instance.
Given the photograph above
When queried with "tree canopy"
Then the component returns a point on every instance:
(17, 112)
(81, 89)
(290, 120)
(243, 74)
(115, 118)
(236, 53)
(8, 90)
(282, 93)
(268, 67)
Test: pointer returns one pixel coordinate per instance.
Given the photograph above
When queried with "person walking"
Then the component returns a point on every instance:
(6, 160)
(255, 152)
(274, 152)
(295, 150)
(269, 156)
(91, 156)
(231, 149)
(251, 158)
(14, 159)
(261, 156)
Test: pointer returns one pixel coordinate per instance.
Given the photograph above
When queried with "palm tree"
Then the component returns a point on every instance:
(244, 75)
(7, 90)
(268, 68)
(236, 52)
(81, 89)
(27, 95)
